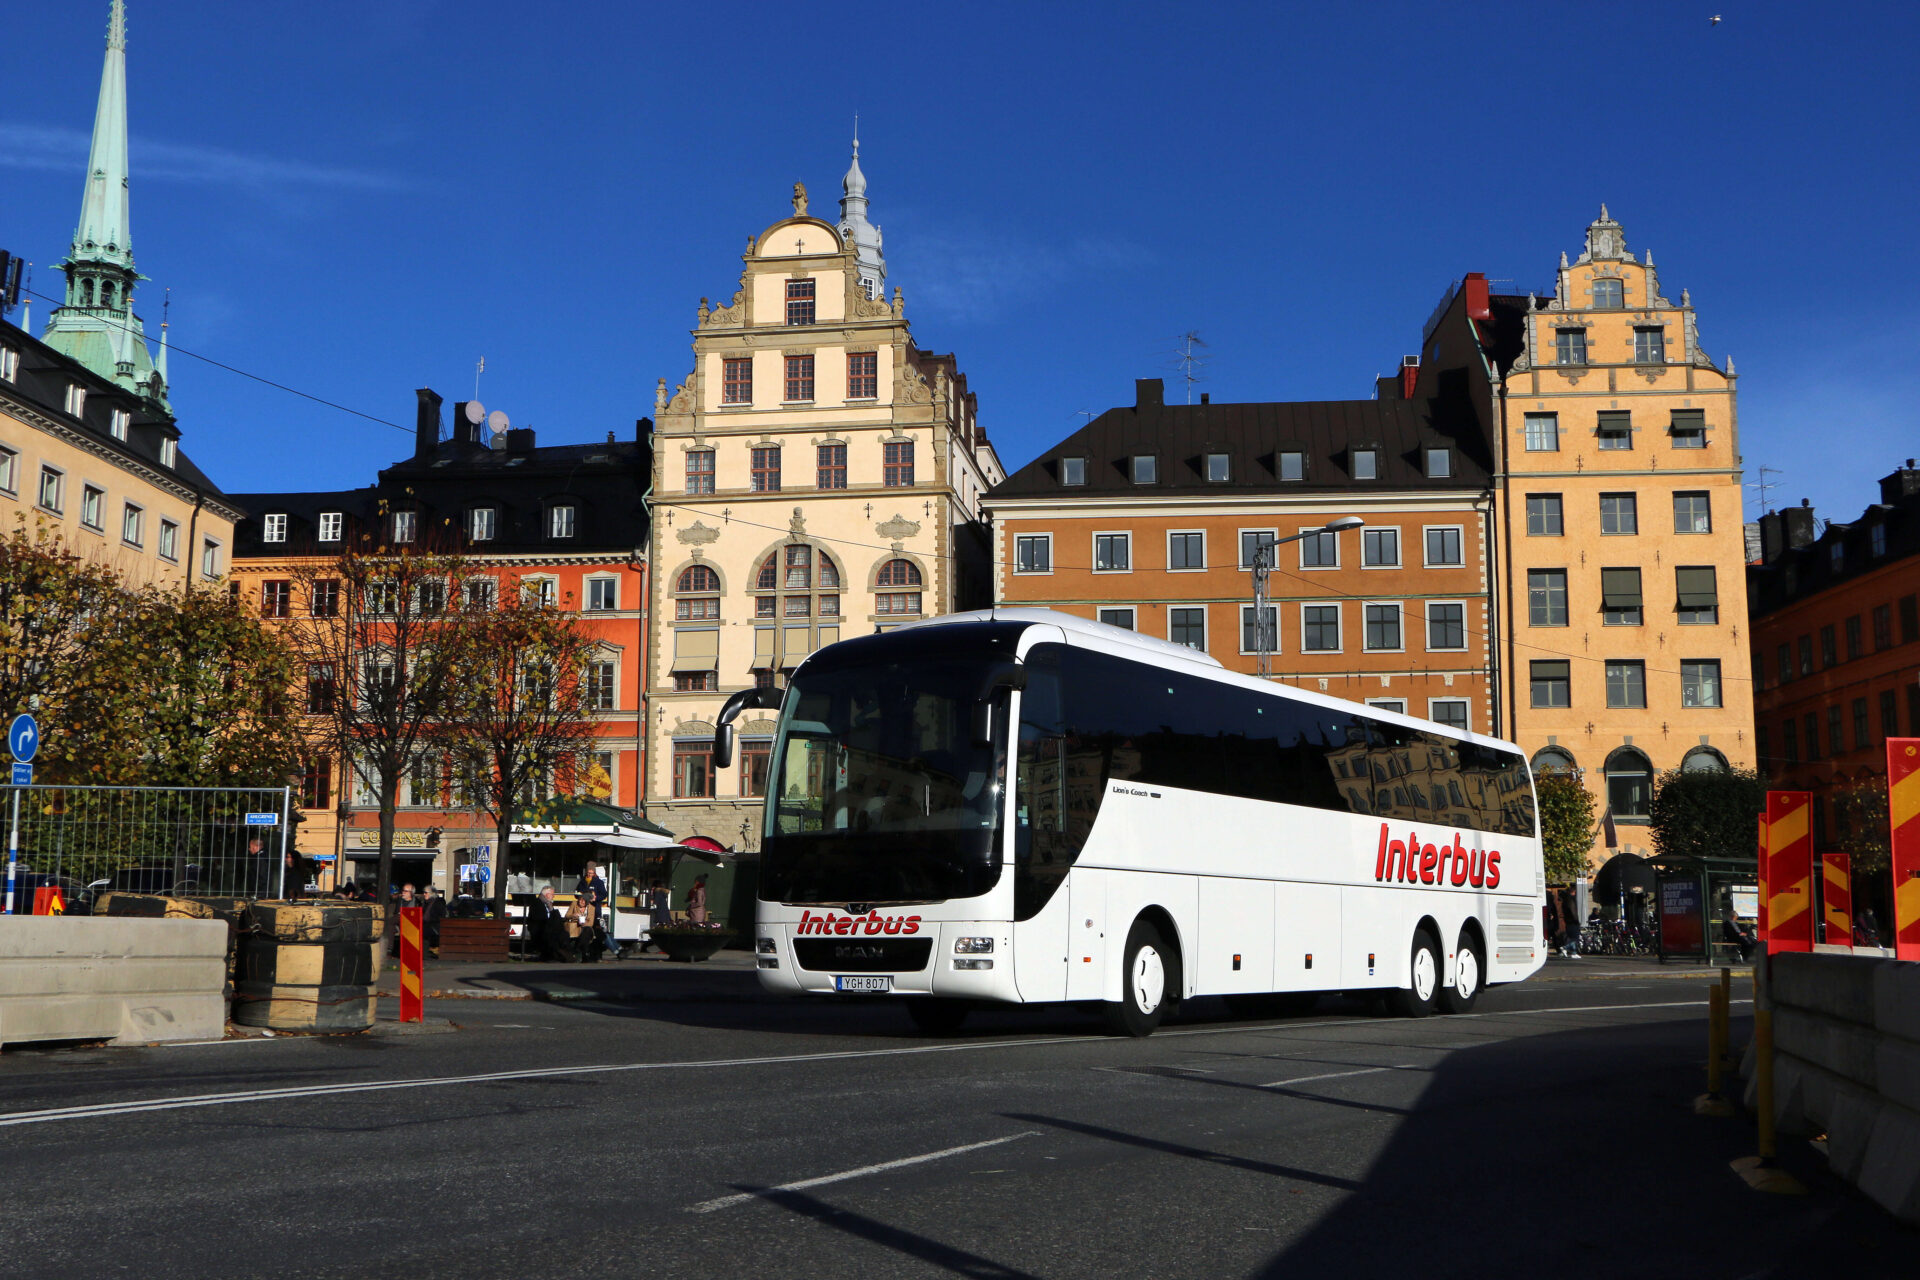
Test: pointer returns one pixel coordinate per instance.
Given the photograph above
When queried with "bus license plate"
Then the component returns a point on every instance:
(864, 982)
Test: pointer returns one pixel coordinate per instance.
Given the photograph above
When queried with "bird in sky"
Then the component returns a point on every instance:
(1714, 21)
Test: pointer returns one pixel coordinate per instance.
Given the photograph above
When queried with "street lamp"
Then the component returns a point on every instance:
(1262, 564)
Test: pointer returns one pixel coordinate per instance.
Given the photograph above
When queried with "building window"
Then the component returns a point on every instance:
(210, 559)
(1909, 619)
(1110, 553)
(1649, 344)
(600, 692)
(863, 375)
(1609, 293)
(1862, 725)
(1790, 741)
(132, 522)
(1439, 464)
(1544, 519)
(1629, 785)
(755, 760)
(1219, 468)
(1570, 346)
(169, 452)
(404, 525)
(799, 379)
(323, 598)
(1186, 551)
(1259, 631)
(1073, 471)
(477, 595)
(330, 525)
(1877, 538)
(1785, 655)
(1033, 553)
(1855, 645)
(1319, 550)
(1700, 684)
(1451, 712)
(1620, 599)
(1543, 433)
(1627, 684)
(899, 464)
(736, 380)
(897, 602)
(1882, 627)
(1118, 617)
(1889, 714)
(800, 304)
(91, 500)
(603, 594)
(1615, 430)
(1144, 469)
(1697, 591)
(1551, 683)
(1692, 512)
(1293, 464)
(1396, 705)
(273, 527)
(316, 783)
(1829, 647)
(1619, 513)
(1366, 464)
(481, 524)
(120, 424)
(831, 467)
(1253, 542)
(1188, 627)
(1380, 548)
(9, 364)
(560, 520)
(321, 688)
(1443, 547)
(1812, 727)
(541, 593)
(276, 598)
(1382, 626)
(766, 469)
(1320, 628)
(76, 402)
(51, 482)
(897, 573)
(1547, 597)
(1689, 429)
(169, 545)
(1806, 655)
(1836, 733)
(696, 681)
(699, 471)
(699, 609)
(693, 769)
(1446, 625)
(9, 470)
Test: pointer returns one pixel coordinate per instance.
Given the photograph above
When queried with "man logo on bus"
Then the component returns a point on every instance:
(1411, 862)
(871, 923)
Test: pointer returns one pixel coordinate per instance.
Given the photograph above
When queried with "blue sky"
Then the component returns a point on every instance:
(358, 199)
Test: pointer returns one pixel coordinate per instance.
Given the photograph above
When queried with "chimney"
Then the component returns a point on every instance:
(1475, 287)
(1798, 523)
(642, 430)
(1409, 376)
(426, 423)
(1149, 392)
(1206, 398)
(519, 439)
(1903, 483)
(464, 431)
(1772, 540)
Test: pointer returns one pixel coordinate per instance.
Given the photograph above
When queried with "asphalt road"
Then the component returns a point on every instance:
(1549, 1134)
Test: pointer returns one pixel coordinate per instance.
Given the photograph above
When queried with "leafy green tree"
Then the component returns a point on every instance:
(1707, 813)
(1566, 825)
(56, 613)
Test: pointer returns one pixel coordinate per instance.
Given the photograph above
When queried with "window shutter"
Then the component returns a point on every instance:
(1551, 670)
(1697, 588)
(1620, 588)
(1615, 420)
(797, 643)
(696, 650)
(763, 647)
(1688, 420)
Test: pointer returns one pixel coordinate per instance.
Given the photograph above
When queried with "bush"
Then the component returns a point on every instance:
(1566, 825)
(1708, 814)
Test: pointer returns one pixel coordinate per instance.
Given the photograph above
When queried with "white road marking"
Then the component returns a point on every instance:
(727, 1202)
(139, 1106)
(1338, 1075)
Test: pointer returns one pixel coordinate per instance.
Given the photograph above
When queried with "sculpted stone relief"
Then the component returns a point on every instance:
(698, 534)
(898, 527)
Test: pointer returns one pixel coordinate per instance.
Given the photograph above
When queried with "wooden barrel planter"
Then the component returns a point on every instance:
(308, 967)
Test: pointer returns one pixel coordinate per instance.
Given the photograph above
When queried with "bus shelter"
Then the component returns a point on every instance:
(1707, 907)
(552, 844)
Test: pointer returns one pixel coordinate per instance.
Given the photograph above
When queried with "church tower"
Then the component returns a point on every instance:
(860, 235)
(97, 325)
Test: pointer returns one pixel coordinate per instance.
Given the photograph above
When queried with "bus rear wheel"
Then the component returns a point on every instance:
(937, 1017)
(1143, 983)
(1469, 976)
(1422, 992)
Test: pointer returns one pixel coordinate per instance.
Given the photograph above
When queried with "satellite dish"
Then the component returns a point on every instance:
(496, 421)
(475, 412)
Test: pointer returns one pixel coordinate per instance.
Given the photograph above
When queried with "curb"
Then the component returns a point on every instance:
(1662, 975)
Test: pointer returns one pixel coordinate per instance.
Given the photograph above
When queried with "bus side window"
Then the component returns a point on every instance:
(1043, 848)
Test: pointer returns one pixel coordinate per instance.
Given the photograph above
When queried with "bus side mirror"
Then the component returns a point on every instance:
(1005, 675)
(722, 746)
(723, 727)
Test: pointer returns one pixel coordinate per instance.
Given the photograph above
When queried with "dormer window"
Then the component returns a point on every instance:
(1439, 464)
(1366, 464)
(1073, 471)
(273, 528)
(169, 451)
(1219, 468)
(405, 524)
(1609, 293)
(1878, 538)
(9, 364)
(560, 520)
(800, 302)
(1145, 469)
(1293, 464)
(481, 523)
(121, 423)
(76, 402)
(330, 522)
(1838, 552)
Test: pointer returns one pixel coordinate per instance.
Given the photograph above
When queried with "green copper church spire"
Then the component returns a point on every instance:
(97, 326)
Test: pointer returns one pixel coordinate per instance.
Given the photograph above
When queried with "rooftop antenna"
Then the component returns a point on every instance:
(478, 369)
(1766, 486)
(1188, 359)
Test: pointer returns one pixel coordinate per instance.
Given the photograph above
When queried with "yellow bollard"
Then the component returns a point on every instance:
(1711, 1103)
(1759, 1171)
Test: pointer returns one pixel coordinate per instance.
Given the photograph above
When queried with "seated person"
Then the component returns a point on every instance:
(546, 933)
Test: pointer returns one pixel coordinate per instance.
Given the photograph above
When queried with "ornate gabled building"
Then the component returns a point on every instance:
(817, 475)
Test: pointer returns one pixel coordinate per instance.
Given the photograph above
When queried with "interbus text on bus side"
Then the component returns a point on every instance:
(870, 923)
(1411, 862)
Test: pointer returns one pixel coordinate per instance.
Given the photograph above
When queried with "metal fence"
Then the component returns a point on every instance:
(219, 841)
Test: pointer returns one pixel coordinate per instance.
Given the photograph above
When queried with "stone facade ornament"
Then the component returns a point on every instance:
(799, 199)
(798, 525)
(660, 397)
(698, 535)
(898, 527)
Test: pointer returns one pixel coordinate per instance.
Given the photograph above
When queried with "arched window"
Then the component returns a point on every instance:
(1609, 293)
(1703, 760)
(1553, 760)
(106, 294)
(802, 582)
(699, 577)
(693, 605)
(898, 573)
(86, 292)
(1629, 784)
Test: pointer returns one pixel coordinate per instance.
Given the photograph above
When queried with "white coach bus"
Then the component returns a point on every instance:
(1171, 830)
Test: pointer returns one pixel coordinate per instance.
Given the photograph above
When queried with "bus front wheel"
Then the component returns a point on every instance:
(937, 1017)
(1143, 984)
(1422, 992)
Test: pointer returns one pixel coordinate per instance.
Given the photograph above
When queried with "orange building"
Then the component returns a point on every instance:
(1836, 645)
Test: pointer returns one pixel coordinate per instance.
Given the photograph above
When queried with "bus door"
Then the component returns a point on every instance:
(1086, 936)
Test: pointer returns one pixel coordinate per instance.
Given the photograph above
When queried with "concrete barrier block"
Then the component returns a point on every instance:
(1890, 1174)
(1849, 1130)
(1846, 1049)
(1896, 999)
(124, 979)
(1842, 987)
(1898, 1072)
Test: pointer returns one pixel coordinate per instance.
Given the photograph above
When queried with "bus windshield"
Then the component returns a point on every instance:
(878, 793)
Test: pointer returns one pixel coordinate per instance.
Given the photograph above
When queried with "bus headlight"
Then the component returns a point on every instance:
(972, 964)
(767, 947)
(973, 947)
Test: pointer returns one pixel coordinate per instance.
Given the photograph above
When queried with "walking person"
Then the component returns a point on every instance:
(1570, 947)
(259, 868)
(430, 923)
